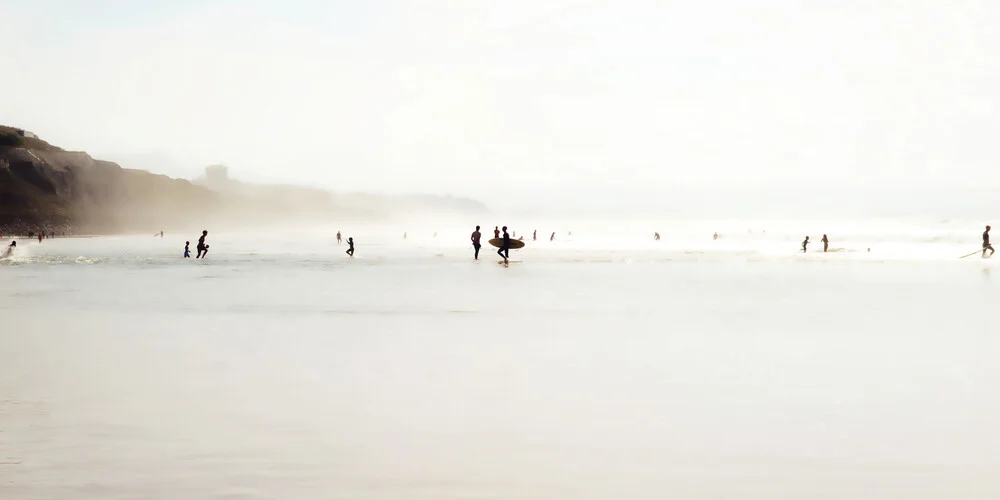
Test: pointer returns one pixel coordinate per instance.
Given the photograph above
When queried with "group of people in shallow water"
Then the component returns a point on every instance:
(825, 240)
(202, 246)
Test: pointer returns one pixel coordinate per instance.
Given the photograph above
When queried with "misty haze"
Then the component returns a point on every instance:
(570, 249)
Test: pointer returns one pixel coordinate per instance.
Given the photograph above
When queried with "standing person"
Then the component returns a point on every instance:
(986, 242)
(338, 237)
(350, 247)
(804, 243)
(496, 232)
(504, 250)
(476, 236)
(826, 243)
(187, 249)
(202, 247)
(534, 235)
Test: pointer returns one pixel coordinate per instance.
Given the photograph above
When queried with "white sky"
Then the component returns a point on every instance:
(560, 98)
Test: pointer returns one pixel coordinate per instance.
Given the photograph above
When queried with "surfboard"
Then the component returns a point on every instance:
(498, 242)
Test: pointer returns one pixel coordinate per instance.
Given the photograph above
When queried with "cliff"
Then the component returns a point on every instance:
(43, 187)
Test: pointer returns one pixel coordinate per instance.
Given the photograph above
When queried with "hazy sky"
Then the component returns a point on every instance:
(485, 99)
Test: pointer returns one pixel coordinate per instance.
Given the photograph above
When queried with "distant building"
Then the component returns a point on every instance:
(25, 133)
(217, 174)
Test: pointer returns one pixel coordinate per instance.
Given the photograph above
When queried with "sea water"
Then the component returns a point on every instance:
(599, 365)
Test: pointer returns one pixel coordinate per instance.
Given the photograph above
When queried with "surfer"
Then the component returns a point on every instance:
(475, 241)
(804, 243)
(10, 249)
(826, 243)
(986, 242)
(187, 249)
(496, 232)
(504, 250)
(338, 237)
(202, 247)
(350, 247)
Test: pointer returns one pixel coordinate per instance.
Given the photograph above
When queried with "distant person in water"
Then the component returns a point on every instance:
(404, 236)
(986, 242)
(553, 237)
(41, 236)
(656, 236)
(476, 236)
(496, 232)
(338, 238)
(161, 233)
(534, 235)
(513, 234)
(187, 249)
(826, 243)
(504, 250)
(350, 247)
(10, 249)
(804, 243)
(202, 247)
(715, 236)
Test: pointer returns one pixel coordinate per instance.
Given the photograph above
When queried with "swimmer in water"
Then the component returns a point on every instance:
(350, 247)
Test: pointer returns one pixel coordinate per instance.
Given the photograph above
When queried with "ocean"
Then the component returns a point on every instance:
(600, 365)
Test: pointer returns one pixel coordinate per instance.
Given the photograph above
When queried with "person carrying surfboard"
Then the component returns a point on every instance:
(475, 241)
(986, 242)
(504, 250)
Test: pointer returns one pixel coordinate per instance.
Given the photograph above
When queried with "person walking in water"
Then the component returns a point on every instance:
(553, 237)
(504, 250)
(350, 247)
(187, 249)
(826, 243)
(338, 238)
(804, 243)
(202, 247)
(986, 242)
(476, 236)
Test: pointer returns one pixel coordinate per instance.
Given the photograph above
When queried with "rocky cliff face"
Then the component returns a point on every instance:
(44, 188)
(53, 188)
